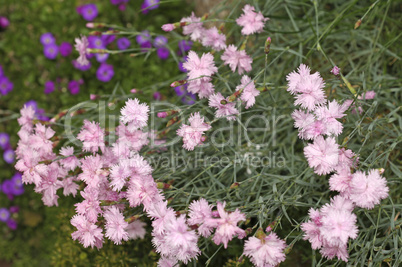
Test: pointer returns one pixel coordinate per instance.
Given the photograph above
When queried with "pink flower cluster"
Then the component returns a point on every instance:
(201, 69)
(331, 226)
(115, 177)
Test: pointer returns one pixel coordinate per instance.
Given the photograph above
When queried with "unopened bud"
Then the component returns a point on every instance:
(161, 185)
(162, 114)
(172, 121)
(92, 25)
(381, 170)
(97, 50)
(168, 27)
(358, 23)
(133, 91)
(260, 233)
(178, 83)
(249, 231)
(93, 97)
(234, 185)
(132, 218)
(96, 33)
(267, 45)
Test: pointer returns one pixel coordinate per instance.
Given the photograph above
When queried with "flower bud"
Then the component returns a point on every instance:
(267, 45)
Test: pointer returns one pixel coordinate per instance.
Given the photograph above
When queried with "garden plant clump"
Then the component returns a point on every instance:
(265, 146)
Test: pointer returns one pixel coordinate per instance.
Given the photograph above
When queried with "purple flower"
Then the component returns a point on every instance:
(144, 39)
(12, 224)
(189, 99)
(40, 114)
(107, 39)
(49, 87)
(89, 11)
(163, 53)
(102, 57)
(123, 43)
(7, 187)
(181, 90)
(4, 214)
(4, 22)
(181, 68)
(80, 67)
(184, 46)
(50, 51)
(160, 41)
(96, 42)
(47, 39)
(117, 2)
(5, 85)
(33, 104)
(65, 49)
(9, 156)
(4, 140)
(74, 87)
(14, 209)
(105, 72)
(157, 96)
(148, 5)
(17, 186)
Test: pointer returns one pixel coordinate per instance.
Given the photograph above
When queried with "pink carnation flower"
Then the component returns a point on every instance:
(88, 234)
(341, 181)
(198, 67)
(136, 229)
(249, 92)
(194, 27)
(115, 225)
(226, 225)
(340, 251)
(335, 70)
(251, 21)
(71, 161)
(329, 115)
(322, 155)
(311, 229)
(367, 191)
(308, 87)
(338, 226)
(181, 240)
(192, 134)
(27, 117)
(303, 121)
(81, 45)
(265, 252)
(367, 95)
(143, 190)
(30, 167)
(212, 38)
(200, 211)
(237, 59)
(228, 110)
(203, 89)
(119, 173)
(162, 215)
(90, 207)
(135, 114)
(92, 171)
(92, 137)
(69, 186)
